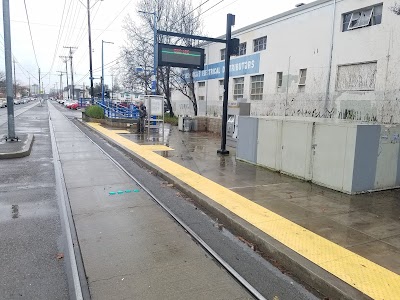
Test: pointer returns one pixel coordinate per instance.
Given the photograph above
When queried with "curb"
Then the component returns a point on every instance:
(26, 150)
(298, 266)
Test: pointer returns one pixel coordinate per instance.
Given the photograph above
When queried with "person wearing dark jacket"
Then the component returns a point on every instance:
(141, 118)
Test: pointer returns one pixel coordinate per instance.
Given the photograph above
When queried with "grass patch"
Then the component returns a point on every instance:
(95, 112)
(170, 120)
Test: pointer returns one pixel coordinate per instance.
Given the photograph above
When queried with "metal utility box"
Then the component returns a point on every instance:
(269, 143)
(346, 156)
(234, 111)
(247, 142)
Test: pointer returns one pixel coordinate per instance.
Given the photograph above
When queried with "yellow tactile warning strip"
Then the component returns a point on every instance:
(156, 147)
(368, 277)
(121, 131)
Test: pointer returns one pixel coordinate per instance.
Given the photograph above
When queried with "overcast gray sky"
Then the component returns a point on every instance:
(45, 17)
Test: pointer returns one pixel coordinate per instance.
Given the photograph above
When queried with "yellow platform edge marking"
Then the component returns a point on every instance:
(156, 148)
(359, 272)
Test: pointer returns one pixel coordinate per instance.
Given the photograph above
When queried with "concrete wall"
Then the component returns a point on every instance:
(301, 39)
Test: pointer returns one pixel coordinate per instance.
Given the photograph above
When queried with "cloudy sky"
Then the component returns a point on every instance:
(59, 23)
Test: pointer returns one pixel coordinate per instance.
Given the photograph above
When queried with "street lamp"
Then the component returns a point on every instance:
(88, 7)
(154, 81)
(102, 69)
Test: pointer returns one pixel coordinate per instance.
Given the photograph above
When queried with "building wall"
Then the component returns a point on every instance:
(361, 83)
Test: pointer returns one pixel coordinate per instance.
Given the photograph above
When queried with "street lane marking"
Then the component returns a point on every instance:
(359, 272)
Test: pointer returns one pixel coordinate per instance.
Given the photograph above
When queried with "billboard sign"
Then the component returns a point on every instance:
(179, 56)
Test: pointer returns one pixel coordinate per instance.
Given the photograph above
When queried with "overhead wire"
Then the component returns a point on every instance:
(60, 31)
(30, 32)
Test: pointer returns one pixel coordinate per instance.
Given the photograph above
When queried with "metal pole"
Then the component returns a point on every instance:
(154, 83)
(39, 83)
(90, 54)
(72, 74)
(15, 81)
(66, 73)
(102, 72)
(230, 21)
(8, 65)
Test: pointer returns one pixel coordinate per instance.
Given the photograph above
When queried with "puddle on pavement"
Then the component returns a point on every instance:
(15, 211)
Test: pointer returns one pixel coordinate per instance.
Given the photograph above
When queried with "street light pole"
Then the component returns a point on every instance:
(8, 64)
(102, 69)
(90, 54)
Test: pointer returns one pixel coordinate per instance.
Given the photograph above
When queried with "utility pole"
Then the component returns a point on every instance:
(39, 83)
(15, 81)
(90, 54)
(7, 57)
(65, 60)
(29, 86)
(72, 69)
(61, 91)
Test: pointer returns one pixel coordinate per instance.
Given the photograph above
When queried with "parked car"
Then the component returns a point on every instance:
(3, 103)
(74, 106)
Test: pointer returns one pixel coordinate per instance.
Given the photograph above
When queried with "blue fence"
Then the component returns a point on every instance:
(117, 111)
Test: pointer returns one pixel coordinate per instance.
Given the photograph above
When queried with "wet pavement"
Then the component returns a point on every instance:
(31, 247)
(367, 224)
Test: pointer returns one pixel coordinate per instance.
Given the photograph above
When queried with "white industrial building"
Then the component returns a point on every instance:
(330, 59)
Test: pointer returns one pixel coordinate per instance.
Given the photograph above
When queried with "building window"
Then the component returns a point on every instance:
(202, 84)
(302, 77)
(242, 48)
(238, 88)
(257, 87)
(222, 54)
(362, 18)
(356, 77)
(279, 79)
(221, 82)
(260, 44)
(201, 98)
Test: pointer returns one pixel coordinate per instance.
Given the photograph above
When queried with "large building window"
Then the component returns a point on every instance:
(242, 48)
(260, 44)
(257, 87)
(222, 52)
(238, 88)
(202, 84)
(362, 18)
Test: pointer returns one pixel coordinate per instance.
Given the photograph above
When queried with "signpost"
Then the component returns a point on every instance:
(189, 57)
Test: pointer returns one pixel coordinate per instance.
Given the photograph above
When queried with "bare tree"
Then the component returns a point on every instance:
(395, 8)
(172, 15)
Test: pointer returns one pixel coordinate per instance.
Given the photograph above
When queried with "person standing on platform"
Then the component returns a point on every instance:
(142, 117)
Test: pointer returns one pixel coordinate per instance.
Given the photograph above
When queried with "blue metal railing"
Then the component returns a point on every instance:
(117, 111)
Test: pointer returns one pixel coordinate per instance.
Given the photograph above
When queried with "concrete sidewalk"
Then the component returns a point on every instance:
(364, 227)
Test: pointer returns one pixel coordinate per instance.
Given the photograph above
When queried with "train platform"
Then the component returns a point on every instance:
(347, 246)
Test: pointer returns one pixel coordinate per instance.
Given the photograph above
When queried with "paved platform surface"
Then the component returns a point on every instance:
(355, 238)
(131, 249)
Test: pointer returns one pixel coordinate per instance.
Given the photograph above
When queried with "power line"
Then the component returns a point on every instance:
(129, 2)
(30, 32)
(190, 12)
(59, 36)
(223, 7)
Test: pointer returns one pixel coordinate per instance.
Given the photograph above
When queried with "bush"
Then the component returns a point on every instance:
(170, 120)
(95, 112)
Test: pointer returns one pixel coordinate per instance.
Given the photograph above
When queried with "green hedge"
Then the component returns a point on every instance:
(95, 112)
(171, 120)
